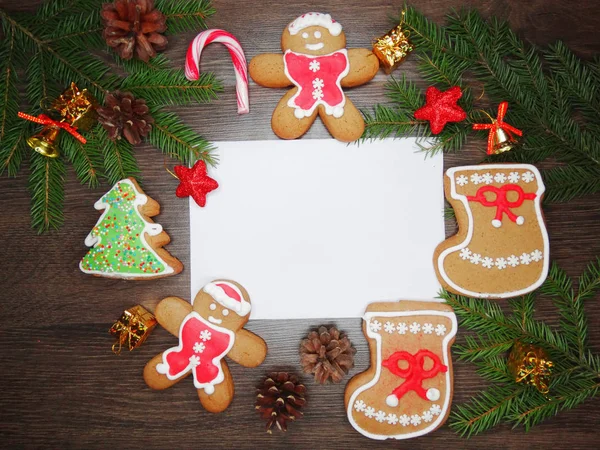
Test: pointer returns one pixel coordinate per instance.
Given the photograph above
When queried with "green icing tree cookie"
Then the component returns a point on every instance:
(125, 242)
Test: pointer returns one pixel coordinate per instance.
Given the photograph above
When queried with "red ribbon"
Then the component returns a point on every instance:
(43, 119)
(501, 201)
(415, 373)
(497, 124)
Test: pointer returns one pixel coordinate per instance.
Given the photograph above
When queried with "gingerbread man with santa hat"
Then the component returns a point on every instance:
(208, 329)
(316, 62)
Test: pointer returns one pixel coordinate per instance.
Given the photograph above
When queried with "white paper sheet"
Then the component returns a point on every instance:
(317, 228)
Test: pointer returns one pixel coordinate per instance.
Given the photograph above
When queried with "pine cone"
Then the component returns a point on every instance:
(134, 25)
(327, 354)
(279, 399)
(124, 115)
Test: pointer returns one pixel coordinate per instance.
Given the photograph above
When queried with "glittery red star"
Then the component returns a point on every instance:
(194, 182)
(441, 108)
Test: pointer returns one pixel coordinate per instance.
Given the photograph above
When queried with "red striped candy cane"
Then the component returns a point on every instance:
(192, 62)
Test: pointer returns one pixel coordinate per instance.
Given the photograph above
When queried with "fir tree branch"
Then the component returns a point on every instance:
(87, 159)
(119, 161)
(480, 348)
(13, 149)
(185, 15)
(46, 183)
(9, 92)
(567, 182)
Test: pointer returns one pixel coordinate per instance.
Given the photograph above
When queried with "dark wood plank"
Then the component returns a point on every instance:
(62, 386)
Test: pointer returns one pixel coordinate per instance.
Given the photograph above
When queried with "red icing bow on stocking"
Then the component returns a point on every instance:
(501, 201)
(413, 375)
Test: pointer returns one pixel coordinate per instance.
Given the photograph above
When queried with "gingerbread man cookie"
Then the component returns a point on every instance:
(209, 329)
(315, 60)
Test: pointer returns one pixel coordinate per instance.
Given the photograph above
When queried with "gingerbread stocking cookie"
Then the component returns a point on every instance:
(502, 248)
(407, 390)
(315, 60)
(209, 329)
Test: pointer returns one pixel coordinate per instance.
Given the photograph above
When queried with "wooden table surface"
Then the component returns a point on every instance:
(63, 388)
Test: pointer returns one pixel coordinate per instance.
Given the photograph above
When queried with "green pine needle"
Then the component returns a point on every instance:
(46, 183)
(576, 372)
(185, 15)
(119, 159)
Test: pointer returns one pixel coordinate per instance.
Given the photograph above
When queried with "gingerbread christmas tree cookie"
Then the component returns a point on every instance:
(315, 60)
(407, 390)
(125, 242)
(501, 249)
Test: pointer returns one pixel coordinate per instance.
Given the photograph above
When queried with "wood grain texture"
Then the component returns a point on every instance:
(63, 388)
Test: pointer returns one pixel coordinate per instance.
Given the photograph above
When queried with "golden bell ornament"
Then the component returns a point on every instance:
(45, 142)
(530, 364)
(503, 142)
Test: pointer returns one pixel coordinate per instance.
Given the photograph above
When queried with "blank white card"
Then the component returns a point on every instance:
(318, 228)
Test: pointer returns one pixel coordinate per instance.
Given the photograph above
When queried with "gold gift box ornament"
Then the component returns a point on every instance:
(132, 329)
(393, 47)
(76, 109)
(530, 364)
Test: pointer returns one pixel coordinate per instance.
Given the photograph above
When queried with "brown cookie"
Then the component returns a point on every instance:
(125, 242)
(315, 60)
(209, 329)
(501, 249)
(407, 390)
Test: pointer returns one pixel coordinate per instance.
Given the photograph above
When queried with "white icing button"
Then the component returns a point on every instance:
(317, 34)
(392, 400)
(212, 306)
(305, 35)
(210, 389)
(225, 312)
(299, 113)
(520, 220)
(433, 394)
(161, 368)
(497, 223)
(338, 112)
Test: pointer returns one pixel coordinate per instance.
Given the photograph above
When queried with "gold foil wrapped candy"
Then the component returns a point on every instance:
(393, 47)
(132, 328)
(530, 364)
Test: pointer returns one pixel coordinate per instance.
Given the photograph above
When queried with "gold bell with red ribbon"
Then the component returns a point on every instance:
(502, 141)
(132, 329)
(529, 364)
(75, 108)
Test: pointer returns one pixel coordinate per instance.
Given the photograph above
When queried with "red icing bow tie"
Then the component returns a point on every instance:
(501, 201)
(43, 119)
(413, 375)
(495, 125)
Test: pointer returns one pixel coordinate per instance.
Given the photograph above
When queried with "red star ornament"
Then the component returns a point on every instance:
(441, 108)
(194, 182)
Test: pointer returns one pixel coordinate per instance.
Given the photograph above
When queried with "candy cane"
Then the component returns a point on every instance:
(192, 62)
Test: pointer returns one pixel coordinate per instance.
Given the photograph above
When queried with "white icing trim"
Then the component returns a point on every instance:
(511, 261)
(408, 328)
(445, 360)
(315, 19)
(463, 198)
(392, 419)
(335, 111)
(152, 229)
(499, 177)
(241, 308)
(163, 367)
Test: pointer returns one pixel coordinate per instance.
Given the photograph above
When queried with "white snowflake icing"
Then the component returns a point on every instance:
(415, 420)
(487, 178)
(500, 178)
(435, 410)
(392, 419)
(318, 83)
(380, 416)
(194, 360)
(536, 255)
(359, 405)
(440, 330)
(513, 261)
(199, 347)
(427, 328)
(402, 328)
(376, 326)
(317, 94)
(465, 254)
(487, 262)
(370, 411)
(475, 258)
(528, 177)
(415, 328)
(314, 66)
(404, 420)
(205, 335)
(462, 180)
(389, 327)
(427, 416)
(501, 263)
(514, 177)
(526, 259)
(476, 179)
